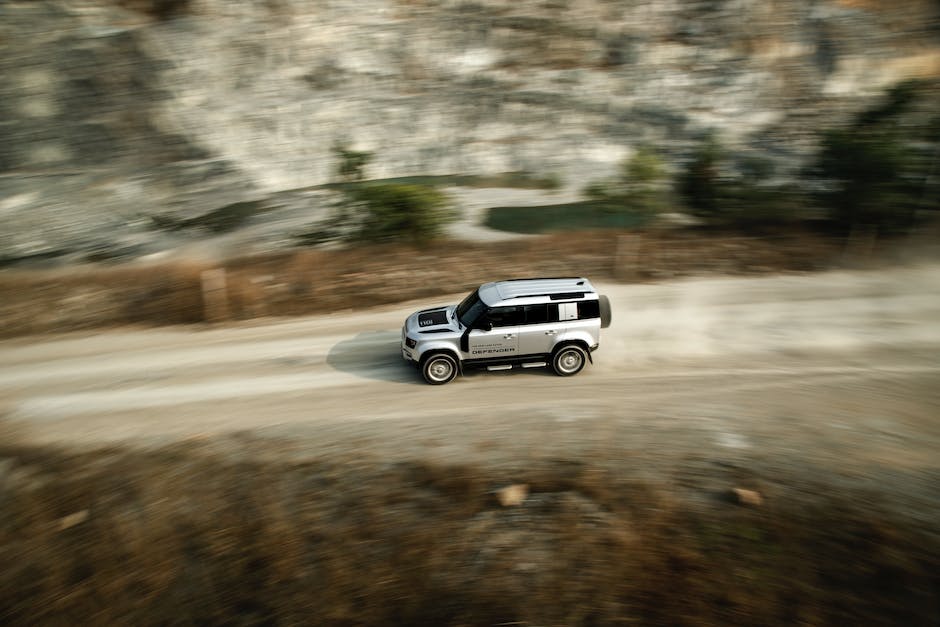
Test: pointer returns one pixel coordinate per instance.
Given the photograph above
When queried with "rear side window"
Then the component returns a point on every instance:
(589, 309)
(550, 312)
(582, 310)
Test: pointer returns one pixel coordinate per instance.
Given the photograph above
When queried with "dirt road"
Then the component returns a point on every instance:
(817, 396)
(836, 366)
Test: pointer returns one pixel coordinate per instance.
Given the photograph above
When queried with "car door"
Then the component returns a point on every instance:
(539, 329)
(498, 335)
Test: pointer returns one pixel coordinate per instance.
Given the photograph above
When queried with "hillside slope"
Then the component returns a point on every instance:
(114, 112)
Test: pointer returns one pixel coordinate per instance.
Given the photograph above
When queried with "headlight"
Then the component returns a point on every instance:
(410, 343)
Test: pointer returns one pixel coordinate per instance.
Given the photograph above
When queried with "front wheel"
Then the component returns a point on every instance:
(439, 368)
(569, 360)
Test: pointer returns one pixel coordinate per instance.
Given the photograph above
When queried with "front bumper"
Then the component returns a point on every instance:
(406, 353)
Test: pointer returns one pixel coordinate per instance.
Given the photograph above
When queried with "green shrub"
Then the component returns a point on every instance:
(641, 186)
(602, 190)
(396, 212)
(646, 181)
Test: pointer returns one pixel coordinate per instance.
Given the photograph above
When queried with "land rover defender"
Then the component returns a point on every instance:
(527, 323)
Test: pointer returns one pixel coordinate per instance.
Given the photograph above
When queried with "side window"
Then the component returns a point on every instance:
(582, 310)
(589, 309)
(537, 314)
(505, 316)
(553, 312)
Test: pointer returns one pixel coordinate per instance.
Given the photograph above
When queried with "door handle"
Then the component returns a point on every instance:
(552, 332)
(508, 336)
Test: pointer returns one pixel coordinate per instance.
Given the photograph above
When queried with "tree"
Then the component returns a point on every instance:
(352, 163)
(700, 183)
(397, 212)
(737, 190)
(644, 179)
(876, 173)
(641, 184)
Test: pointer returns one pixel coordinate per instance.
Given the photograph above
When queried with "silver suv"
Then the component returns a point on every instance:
(531, 323)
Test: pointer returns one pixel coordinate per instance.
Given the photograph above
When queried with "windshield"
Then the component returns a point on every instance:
(470, 309)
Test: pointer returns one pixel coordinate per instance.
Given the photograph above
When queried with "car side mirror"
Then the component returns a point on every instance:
(485, 325)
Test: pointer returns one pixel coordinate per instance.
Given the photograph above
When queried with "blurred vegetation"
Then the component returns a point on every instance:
(640, 187)
(644, 178)
(699, 183)
(628, 200)
(380, 212)
(737, 190)
(351, 163)
(880, 172)
(218, 221)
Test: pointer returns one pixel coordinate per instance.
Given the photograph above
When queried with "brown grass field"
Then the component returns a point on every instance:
(263, 532)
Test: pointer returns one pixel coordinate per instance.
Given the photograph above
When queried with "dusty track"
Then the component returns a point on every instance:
(840, 367)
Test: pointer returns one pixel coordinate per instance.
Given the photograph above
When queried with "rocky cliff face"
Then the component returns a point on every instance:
(113, 112)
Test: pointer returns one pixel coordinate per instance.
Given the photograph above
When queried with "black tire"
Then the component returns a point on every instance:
(605, 311)
(569, 360)
(439, 368)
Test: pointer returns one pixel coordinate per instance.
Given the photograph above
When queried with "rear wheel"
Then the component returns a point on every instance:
(439, 368)
(569, 360)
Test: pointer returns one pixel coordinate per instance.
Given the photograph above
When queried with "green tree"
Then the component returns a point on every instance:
(641, 184)
(397, 212)
(700, 183)
(866, 174)
(877, 173)
(351, 163)
(645, 180)
(736, 190)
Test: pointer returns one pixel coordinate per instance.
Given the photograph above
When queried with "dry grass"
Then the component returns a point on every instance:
(93, 297)
(309, 281)
(235, 533)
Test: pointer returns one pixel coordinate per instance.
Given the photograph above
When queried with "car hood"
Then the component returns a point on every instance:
(431, 321)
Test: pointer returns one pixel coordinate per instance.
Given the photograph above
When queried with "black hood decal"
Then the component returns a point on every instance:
(432, 317)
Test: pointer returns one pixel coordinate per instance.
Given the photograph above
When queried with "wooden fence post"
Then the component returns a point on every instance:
(214, 295)
(627, 256)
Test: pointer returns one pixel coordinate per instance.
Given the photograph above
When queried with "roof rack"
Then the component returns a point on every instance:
(546, 278)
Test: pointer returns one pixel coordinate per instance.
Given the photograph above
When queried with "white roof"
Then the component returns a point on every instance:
(492, 293)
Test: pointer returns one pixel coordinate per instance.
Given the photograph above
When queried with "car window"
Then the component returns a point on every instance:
(470, 310)
(536, 314)
(589, 309)
(583, 310)
(505, 316)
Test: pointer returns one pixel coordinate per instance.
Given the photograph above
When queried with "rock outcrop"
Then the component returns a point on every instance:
(116, 112)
